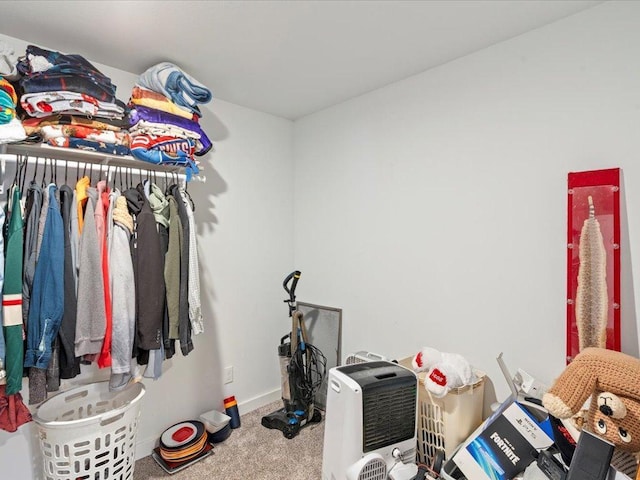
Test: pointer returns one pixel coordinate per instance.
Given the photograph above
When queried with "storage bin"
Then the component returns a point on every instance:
(217, 424)
(444, 423)
(89, 433)
(214, 420)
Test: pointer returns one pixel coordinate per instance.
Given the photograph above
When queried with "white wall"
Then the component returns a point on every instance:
(244, 217)
(433, 211)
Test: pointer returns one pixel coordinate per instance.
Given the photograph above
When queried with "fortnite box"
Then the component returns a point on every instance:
(506, 443)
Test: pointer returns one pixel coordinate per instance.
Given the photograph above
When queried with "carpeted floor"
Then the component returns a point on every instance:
(252, 452)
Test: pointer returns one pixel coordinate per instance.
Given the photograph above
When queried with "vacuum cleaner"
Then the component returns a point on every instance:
(302, 370)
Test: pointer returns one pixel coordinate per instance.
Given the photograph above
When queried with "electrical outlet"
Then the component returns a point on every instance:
(228, 375)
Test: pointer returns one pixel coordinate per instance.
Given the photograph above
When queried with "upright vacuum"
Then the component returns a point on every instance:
(302, 369)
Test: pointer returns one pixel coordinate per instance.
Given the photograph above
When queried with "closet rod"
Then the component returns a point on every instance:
(107, 168)
(101, 167)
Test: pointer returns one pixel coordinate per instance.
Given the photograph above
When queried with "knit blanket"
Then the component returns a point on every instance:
(174, 83)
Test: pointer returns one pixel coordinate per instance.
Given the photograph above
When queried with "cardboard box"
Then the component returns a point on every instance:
(506, 443)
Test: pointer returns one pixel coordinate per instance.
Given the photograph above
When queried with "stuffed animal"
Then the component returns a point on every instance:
(612, 381)
(444, 370)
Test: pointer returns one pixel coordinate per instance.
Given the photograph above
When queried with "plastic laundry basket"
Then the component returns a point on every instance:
(444, 423)
(89, 432)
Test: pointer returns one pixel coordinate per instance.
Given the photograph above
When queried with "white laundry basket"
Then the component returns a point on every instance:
(89, 433)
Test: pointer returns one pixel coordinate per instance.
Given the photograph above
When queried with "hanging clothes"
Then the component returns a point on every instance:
(76, 256)
(195, 310)
(37, 376)
(91, 317)
(81, 199)
(184, 329)
(147, 261)
(122, 284)
(74, 239)
(32, 215)
(52, 372)
(12, 296)
(42, 220)
(160, 207)
(69, 363)
(47, 301)
(3, 372)
(101, 208)
(172, 276)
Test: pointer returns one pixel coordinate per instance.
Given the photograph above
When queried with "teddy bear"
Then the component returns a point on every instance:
(444, 370)
(611, 380)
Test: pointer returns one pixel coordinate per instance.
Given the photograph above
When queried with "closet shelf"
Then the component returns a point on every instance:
(41, 150)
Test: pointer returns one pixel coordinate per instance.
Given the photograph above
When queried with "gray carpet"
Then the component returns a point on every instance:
(252, 452)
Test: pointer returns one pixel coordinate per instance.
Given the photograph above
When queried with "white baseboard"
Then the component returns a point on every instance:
(144, 447)
(259, 401)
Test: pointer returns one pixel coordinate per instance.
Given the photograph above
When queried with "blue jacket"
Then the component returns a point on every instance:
(47, 295)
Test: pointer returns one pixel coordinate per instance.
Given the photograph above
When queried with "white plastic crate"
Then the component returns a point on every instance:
(444, 423)
(89, 433)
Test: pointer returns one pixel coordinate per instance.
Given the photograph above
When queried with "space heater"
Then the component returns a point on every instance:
(370, 422)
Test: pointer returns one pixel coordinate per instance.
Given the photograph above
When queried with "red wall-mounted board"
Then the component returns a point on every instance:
(603, 186)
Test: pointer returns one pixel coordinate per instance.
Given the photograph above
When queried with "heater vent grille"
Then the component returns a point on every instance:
(375, 469)
(388, 415)
(363, 357)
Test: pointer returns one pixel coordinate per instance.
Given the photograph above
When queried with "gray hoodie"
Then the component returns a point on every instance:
(92, 318)
(122, 285)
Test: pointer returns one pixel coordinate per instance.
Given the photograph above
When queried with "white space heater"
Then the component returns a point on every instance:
(370, 422)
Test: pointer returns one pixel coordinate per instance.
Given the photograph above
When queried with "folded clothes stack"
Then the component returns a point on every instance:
(164, 117)
(11, 129)
(65, 101)
(68, 102)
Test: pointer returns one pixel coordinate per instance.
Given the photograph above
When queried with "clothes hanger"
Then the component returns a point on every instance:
(11, 190)
(119, 172)
(53, 174)
(16, 175)
(44, 174)
(21, 171)
(14, 184)
(193, 205)
(111, 176)
(35, 169)
(164, 181)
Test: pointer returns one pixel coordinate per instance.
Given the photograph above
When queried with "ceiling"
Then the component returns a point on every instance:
(287, 58)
